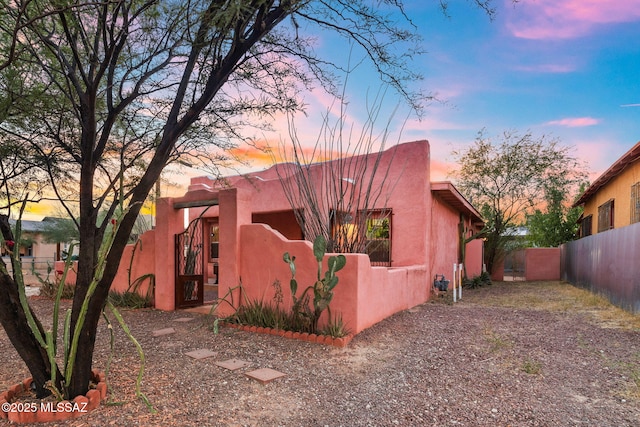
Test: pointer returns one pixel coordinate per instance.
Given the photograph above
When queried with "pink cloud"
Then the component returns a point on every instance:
(548, 68)
(563, 19)
(599, 155)
(574, 122)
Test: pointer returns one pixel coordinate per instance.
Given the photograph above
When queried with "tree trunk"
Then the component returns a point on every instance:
(81, 374)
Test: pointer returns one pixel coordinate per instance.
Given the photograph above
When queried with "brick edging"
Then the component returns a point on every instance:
(54, 411)
(302, 336)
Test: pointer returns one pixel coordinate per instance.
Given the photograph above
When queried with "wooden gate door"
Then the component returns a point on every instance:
(189, 266)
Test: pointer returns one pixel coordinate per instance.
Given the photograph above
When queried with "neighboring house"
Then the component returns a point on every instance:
(605, 258)
(241, 227)
(613, 200)
(37, 254)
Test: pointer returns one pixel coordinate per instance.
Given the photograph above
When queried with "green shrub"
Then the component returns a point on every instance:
(336, 328)
(484, 279)
(259, 313)
(129, 299)
(265, 314)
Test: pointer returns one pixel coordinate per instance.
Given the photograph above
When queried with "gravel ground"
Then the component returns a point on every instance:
(474, 363)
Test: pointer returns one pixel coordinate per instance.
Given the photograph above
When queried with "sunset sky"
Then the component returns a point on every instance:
(569, 69)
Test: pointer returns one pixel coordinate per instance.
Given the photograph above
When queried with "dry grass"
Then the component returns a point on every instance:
(532, 367)
(496, 341)
(555, 297)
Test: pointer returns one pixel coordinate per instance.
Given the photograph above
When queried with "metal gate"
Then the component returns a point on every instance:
(189, 266)
(515, 266)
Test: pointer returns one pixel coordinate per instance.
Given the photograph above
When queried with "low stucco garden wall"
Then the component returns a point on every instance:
(143, 264)
(364, 295)
(542, 263)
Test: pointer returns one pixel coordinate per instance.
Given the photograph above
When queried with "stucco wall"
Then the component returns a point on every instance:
(473, 259)
(170, 221)
(364, 295)
(542, 263)
(444, 238)
(444, 242)
(410, 199)
(619, 189)
(143, 263)
(538, 263)
(41, 249)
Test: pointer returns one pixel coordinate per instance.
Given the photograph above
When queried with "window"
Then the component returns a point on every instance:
(214, 235)
(605, 216)
(586, 226)
(378, 237)
(368, 231)
(635, 203)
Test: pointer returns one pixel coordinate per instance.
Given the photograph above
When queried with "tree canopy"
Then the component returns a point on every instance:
(556, 223)
(511, 175)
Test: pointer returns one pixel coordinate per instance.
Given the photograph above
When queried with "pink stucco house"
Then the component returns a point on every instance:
(241, 227)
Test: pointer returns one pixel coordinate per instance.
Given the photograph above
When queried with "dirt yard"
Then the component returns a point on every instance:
(511, 354)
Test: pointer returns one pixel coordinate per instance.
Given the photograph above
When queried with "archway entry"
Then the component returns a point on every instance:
(181, 262)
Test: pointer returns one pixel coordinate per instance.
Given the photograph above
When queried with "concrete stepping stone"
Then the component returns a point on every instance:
(233, 364)
(201, 354)
(161, 332)
(264, 375)
(183, 319)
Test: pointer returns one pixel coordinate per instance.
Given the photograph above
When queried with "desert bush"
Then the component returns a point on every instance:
(50, 289)
(129, 299)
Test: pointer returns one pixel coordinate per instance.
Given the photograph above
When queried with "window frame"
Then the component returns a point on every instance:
(586, 226)
(373, 244)
(635, 203)
(606, 215)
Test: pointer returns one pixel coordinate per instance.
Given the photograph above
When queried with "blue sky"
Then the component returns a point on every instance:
(568, 69)
(564, 68)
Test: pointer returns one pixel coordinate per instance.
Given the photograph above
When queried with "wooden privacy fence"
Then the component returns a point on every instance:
(606, 263)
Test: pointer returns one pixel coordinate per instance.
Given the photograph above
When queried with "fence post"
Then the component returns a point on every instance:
(460, 270)
(454, 281)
